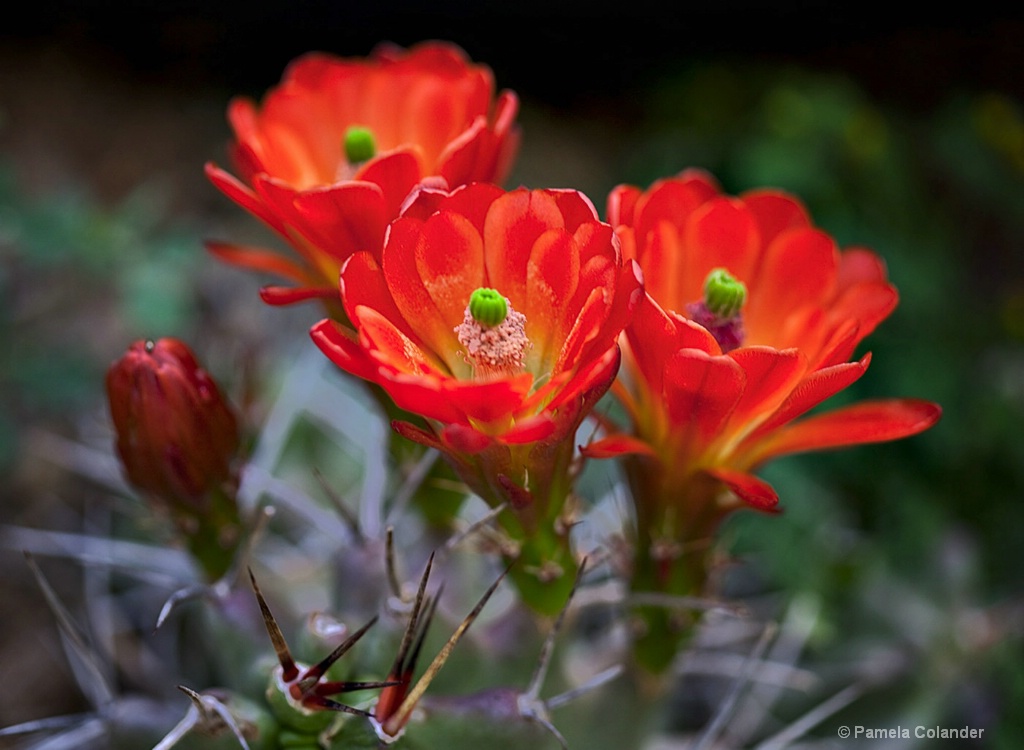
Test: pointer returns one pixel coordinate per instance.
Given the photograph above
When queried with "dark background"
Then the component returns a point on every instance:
(557, 51)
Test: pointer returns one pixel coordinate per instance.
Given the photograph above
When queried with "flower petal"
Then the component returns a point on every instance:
(283, 295)
(653, 336)
(672, 201)
(552, 275)
(342, 348)
(343, 219)
(386, 344)
(700, 393)
(622, 204)
(588, 383)
(514, 223)
(396, 173)
(484, 151)
(614, 446)
(858, 264)
(812, 390)
(867, 422)
(771, 375)
(244, 197)
(869, 303)
(420, 394)
(362, 284)
(530, 430)
(464, 439)
(799, 268)
(775, 212)
(450, 262)
(575, 207)
(721, 234)
(405, 242)
(489, 401)
(755, 492)
(259, 259)
(472, 201)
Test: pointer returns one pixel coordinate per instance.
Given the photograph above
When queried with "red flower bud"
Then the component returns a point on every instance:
(176, 435)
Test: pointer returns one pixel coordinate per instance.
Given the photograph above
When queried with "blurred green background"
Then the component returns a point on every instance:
(906, 138)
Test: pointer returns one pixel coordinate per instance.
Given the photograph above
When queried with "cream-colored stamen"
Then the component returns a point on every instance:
(494, 350)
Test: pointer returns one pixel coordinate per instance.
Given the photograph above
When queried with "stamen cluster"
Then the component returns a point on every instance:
(495, 350)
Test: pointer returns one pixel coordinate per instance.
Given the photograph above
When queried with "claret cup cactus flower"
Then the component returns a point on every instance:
(328, 157)
(749, 320)
(495, 316)
(509, 338)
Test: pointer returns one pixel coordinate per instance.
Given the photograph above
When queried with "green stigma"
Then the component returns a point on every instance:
(360, 144)
(488, 307)
(723, 294)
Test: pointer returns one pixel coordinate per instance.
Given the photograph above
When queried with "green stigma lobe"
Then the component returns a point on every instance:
(488, 307)
(360, 144)
(724, 295)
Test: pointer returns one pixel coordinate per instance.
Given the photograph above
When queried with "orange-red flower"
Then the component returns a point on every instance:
(748, 321)
(495, 316)
(721, 397)
(331, 154)
(559, 269)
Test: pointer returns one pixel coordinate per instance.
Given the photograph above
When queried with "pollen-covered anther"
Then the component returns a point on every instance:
(494, 350)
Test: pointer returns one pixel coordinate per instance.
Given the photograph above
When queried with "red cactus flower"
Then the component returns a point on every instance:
(715, 383)
(558, 274)
(495, 316)
(176, 435)
(749, 319)
(332, 153)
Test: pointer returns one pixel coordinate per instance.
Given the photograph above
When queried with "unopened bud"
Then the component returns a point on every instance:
(176, 435)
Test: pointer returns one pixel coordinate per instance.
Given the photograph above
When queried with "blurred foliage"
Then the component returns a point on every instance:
(73, 275)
